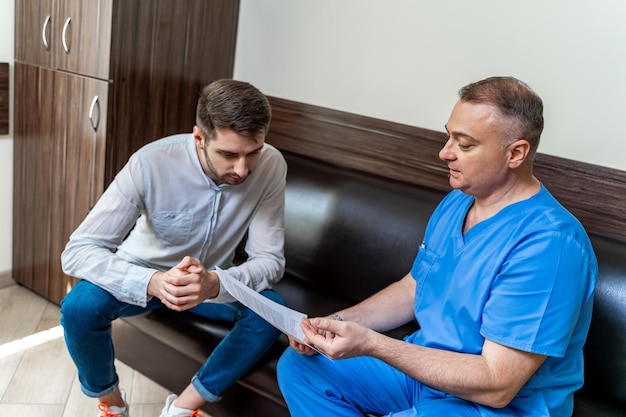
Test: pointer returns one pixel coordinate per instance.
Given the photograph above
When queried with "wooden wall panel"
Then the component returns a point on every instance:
(594, 194)
(4, 98)
(379, 147)
(162, 55)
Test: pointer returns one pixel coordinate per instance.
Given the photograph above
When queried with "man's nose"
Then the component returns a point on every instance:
(241, 167)
(446, 153)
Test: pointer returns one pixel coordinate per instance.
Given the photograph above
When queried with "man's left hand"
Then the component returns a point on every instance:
(188, 284)
(338, 339)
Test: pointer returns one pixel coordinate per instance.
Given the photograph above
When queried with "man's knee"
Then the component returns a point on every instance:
(287, 366)
(85, 303)
(282, 367)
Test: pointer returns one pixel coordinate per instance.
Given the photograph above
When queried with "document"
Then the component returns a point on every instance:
(283, 318)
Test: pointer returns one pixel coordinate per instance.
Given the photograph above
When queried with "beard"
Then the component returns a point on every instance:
(229, 178)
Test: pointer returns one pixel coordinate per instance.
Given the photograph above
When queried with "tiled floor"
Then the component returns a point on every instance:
(37, 376)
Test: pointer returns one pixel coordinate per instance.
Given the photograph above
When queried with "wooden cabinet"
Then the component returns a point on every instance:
(71, 35)
(33, 174)
(94, 81)
(59, 161)
(33, 31)
(83, 36)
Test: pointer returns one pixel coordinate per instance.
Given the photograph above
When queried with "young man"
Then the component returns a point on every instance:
(502, 288)
(175, 212)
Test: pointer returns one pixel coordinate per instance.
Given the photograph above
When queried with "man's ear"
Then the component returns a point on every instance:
(198, 136)
(518, 151)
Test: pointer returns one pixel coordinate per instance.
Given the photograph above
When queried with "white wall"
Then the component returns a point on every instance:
(6, 144)
(404, 60)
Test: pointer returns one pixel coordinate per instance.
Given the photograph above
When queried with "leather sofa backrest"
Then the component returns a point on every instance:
(330, 212)
(605, 349)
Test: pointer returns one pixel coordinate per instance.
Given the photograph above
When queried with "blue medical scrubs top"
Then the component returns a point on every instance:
(523, 278)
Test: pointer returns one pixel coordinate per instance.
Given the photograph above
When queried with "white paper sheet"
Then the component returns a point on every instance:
(283, 318)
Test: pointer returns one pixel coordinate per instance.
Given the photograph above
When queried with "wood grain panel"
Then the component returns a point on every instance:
(34, 24)
(4, 98)
(34, 165)
(162, 55)
(88, 37)
(145, 60)
(391, 150)
(594, 194)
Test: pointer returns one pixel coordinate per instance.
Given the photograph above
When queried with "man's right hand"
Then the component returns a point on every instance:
(185, 285)
(300, 347)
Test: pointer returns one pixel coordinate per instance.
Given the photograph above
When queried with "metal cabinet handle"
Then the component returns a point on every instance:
(44, 30)
(95, 104)
(64, 34)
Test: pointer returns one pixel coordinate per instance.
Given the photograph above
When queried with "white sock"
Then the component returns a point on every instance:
(117, 410)
(175, 411)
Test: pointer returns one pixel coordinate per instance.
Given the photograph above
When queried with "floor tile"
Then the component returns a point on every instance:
(37, 375)
(20, 313)
(44, 376)
(145, 391)
(8, 367)
(31, 410)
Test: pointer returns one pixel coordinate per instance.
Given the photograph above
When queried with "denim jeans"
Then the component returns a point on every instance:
(88, 310)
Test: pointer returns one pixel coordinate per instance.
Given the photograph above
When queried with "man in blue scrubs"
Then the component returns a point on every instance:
(502, 288)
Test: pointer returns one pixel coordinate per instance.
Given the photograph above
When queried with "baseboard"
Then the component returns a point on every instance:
(6, 279)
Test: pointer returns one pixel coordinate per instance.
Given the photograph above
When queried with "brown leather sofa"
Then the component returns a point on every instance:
(349, 234)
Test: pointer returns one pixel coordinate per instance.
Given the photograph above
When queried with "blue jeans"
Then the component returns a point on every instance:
(88, 310)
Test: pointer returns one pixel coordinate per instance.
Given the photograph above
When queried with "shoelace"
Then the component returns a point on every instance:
(104, 411)
(196, 414)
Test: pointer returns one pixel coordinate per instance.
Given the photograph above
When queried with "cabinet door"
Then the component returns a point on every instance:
(83, 102)
(36, 144)
(34, 31)
(59, 145)
(84, 37)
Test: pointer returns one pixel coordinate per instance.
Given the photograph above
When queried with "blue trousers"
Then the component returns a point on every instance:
(88, 310)
(317, 386)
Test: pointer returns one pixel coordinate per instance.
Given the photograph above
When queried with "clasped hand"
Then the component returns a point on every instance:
(185, 285)
(336, 339)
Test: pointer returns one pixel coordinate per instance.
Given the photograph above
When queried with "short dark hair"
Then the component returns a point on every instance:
(235, 105)
(515, 100)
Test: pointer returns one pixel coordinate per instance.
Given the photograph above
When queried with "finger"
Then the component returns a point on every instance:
(185, 262)
(176, 307)
(189, 262)
(195, 269)
(301, 348)
(192, 289)
(329, 327)
(182, 280)
(307, 350)
(312, 333)
(178, 303)
(171, 287)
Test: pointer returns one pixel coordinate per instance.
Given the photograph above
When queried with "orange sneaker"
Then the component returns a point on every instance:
(113, 411)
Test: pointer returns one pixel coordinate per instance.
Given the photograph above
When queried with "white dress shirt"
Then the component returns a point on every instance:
(162, 206)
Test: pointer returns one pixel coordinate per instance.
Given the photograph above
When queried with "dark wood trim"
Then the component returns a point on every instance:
(376, 146)
(594, 194)
(4, 98)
